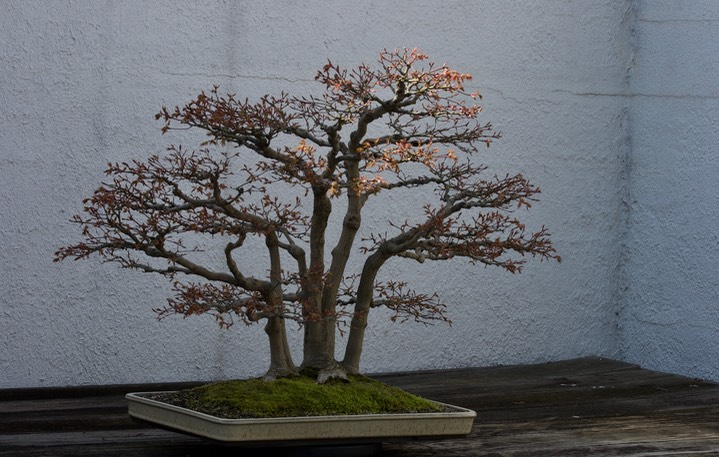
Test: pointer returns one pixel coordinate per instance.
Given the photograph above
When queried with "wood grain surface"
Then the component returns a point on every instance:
(582, 407)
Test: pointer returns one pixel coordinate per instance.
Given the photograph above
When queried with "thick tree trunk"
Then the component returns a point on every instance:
(315, 353)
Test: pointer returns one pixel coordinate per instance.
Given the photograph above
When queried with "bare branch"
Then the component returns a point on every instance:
(403, 123)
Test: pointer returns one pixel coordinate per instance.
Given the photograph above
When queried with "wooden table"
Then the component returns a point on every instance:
(583, 407)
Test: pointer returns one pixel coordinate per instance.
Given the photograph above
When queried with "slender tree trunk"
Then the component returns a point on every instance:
(281, 363)
(365, 291)
(340, 256)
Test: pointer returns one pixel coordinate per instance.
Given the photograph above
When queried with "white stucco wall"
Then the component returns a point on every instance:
(81, 80)
(670, 311)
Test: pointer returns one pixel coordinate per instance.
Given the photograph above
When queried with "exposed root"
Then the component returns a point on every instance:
(334, 372)
(274, 373)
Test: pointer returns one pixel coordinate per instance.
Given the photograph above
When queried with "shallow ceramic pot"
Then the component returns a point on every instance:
(303, 430)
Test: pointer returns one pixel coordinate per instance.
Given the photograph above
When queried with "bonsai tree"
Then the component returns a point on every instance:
(274, 169)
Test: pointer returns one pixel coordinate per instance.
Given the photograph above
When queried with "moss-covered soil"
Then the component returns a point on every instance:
(297, 396)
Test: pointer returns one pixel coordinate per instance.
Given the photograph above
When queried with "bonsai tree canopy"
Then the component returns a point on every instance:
(271, 169)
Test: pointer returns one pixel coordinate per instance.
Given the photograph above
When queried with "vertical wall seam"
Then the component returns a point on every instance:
(621, 284)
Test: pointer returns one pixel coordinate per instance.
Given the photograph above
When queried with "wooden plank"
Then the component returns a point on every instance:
(582, 407)
(40, 393)
(63, 404)
(555, 390)
(607, 437)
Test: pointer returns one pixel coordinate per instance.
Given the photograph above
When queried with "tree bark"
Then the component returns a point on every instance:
(281, 363)
(280, 357)
(315, 353)
(365, 292)
(340, 256)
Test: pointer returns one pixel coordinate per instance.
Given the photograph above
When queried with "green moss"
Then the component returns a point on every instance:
(300, 396)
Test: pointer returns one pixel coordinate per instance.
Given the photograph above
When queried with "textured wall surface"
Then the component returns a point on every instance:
(670, 312)
(80, 82)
